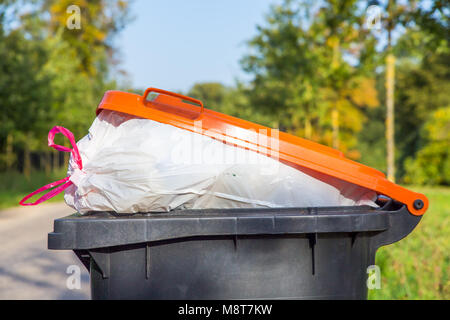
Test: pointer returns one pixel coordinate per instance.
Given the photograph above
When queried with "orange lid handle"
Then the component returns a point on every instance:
(173, 94)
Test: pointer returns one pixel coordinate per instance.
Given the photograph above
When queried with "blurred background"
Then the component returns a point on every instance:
(370, 78)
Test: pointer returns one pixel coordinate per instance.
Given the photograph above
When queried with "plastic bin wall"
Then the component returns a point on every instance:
(290, 253)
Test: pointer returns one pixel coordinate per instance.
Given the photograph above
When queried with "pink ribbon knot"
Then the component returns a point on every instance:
(63, 183)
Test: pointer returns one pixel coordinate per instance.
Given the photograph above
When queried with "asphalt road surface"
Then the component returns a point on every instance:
(28, 270)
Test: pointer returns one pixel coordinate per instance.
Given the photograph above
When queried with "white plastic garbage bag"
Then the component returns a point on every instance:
(133, 165)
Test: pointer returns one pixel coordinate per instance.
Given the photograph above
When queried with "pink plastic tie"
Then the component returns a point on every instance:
(63, 183)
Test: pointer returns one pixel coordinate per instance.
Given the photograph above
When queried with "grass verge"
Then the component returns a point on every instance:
(15, 186)
(418, 267)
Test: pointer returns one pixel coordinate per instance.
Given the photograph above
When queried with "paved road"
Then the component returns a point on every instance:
(28, 270)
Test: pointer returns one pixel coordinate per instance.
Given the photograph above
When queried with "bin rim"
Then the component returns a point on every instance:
(105, 229)
(169, 108)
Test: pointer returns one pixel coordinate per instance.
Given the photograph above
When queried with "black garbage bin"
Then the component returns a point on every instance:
(287, 253)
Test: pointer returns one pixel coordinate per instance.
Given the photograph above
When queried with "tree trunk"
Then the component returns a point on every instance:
(335, 112)
(55, 160)
(66, 154)
(390, 83)
(45, 160)
(9, 151)
(308, 128)
(27, 159)
(335, 125)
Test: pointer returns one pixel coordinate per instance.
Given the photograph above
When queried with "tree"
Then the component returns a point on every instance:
(51, 75)
(410, 15)
(392, 13)
(303, 72)
(432, 162)
(24, 95)
(212, 94)
(283, 67)
(422, 77)
(422, 89)
(341, 24)
(229, 100)
(101, 21)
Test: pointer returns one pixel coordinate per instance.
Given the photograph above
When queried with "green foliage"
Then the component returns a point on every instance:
(51, 75)
(74, 94)
(421, 89)
(230, 100)
(302, 73)
(101, 21)
(431, 164)
(372, 140)
(15, 186)
(283, 67)
(23, 88)
(213, 94)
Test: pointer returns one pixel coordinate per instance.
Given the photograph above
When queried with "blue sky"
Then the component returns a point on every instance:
(172, 44)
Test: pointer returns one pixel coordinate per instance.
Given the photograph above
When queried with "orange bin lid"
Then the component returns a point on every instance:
(170, 108)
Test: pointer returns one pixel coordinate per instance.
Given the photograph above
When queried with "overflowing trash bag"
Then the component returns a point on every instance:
(145, 155)
(131, 164)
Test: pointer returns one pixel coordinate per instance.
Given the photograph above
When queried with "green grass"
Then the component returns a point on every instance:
(418, 267)
(14, 186)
